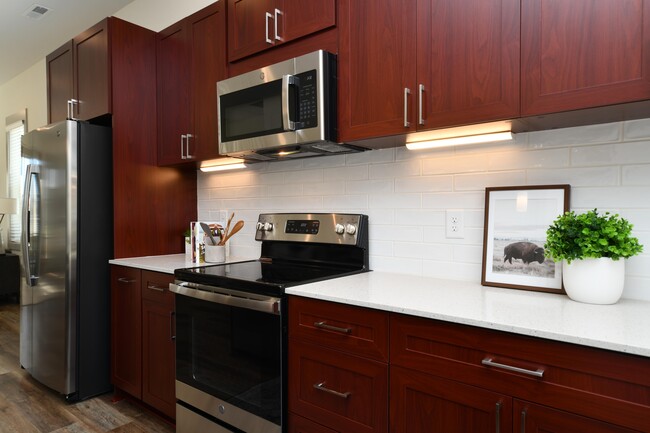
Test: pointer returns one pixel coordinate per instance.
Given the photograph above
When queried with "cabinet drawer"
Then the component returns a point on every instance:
(155, 286)
(298, 424)
(343, 392)
(356, 330)
(610, 386)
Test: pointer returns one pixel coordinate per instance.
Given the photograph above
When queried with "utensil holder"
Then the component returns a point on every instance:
(215, 253)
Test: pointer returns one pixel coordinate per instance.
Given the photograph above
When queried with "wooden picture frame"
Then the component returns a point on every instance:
(516, 220)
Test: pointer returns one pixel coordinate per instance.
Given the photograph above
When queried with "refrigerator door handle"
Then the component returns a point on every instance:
(32, 170)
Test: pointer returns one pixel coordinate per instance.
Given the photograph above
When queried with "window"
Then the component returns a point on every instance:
(16, 126)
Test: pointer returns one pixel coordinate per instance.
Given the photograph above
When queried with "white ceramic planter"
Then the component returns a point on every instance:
(594, 281)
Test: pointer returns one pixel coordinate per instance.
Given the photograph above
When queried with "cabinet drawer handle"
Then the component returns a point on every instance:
(523, 421)
(125, 280)
(498, 418)
(156, 288)
(490, 363)
(321, 387)
(407, 92)
(324, 325)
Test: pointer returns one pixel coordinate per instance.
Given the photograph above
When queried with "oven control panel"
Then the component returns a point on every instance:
(347, 229)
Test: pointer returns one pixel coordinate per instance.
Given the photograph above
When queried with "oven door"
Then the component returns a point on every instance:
(229, 358)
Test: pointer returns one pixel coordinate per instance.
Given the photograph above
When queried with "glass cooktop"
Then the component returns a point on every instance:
(262, 276)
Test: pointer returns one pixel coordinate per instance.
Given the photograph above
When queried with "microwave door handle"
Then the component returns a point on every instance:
(287, 123)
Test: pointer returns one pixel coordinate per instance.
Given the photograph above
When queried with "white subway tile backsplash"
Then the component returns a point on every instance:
(636, 129)
(424, 184)
(406, 194)
(395, 201)
(478, 181)
(603, 133)
(597, 176)
(636, 174)
(636, 152)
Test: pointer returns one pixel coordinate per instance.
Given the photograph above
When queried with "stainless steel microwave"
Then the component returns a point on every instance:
(286, 110)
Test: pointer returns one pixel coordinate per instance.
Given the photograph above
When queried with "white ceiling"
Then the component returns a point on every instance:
(25, 41)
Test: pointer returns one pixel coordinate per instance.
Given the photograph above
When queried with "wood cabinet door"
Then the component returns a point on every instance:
(92, 77)
(126, 330)
(249, 27)
(421, 403)
(533, 418)
(343, 392)
(468, 62)
(59, 65)
(584, 53)
(298, 424)
(208, 50)
(158, 345)
(377, 67)
(299, 18)
(173, 88)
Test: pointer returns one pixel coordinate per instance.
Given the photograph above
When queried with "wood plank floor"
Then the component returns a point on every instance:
(26, 406)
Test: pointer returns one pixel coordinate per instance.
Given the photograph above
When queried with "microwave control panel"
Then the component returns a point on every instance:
(308, 100)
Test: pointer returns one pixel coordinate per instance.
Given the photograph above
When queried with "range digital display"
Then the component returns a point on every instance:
(303, 227)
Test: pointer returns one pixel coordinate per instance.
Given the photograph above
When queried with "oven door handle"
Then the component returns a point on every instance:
(232, 298)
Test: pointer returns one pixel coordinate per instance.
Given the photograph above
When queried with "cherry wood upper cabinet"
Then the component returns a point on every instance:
(78, 76)
(584, 53)
(256, 25)
(59, 66)
(92, 77)
(377, 68)
(468, 61)
(191, 59)
(422, 64)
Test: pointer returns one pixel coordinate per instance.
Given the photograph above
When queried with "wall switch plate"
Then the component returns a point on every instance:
(455, 224)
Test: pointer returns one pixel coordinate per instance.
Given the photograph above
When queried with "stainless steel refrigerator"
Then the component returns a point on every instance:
(67, 240)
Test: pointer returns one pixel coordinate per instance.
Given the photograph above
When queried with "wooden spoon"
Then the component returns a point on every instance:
(225, 232)
(238, 226)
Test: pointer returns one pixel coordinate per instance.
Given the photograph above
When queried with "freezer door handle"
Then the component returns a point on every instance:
(31, 171)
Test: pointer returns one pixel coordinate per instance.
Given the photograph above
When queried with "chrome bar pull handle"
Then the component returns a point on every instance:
(523, 421)
(125, 280)
(490, 363)
(277, 13)
(420, 98)
(69, 109)
(498, 418)
(324, 325)
(321, 387)
(407, 92)
(268, 40)
(187, 146)
(183, 138)
(156, 288)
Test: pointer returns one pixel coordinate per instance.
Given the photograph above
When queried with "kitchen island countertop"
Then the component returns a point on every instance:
(622, 327)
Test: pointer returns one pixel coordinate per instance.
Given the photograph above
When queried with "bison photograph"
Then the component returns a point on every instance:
(528, 252)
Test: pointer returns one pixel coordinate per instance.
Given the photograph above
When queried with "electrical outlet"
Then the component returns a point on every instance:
(455, 226)
(223, 215)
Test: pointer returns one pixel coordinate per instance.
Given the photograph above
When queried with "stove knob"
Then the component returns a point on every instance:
(350, 229)
(260, 226)
(268, 227)
(339, 229)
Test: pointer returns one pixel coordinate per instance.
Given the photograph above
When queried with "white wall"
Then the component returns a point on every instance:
(406, 193)
(157, 14)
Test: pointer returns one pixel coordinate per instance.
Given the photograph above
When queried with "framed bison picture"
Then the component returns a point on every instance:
(516, 219)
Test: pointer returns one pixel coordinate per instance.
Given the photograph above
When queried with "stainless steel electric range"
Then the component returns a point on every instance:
(231, 320)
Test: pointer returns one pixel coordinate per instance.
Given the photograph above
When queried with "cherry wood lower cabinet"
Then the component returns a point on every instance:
(556, 387)
(446, 377)
(143, 346)
(338, 370)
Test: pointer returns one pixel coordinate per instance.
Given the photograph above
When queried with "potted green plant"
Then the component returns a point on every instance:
(591, 247)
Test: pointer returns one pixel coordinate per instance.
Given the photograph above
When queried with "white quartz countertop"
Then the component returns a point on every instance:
(167, 263)
(622, 327)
